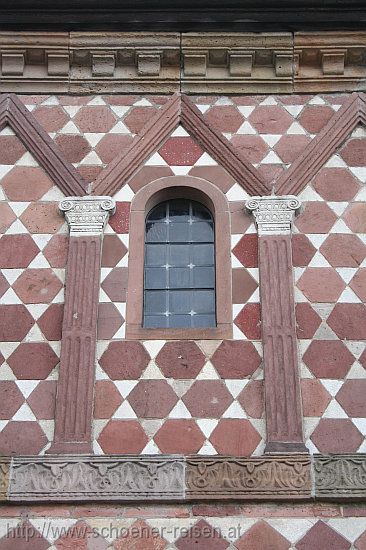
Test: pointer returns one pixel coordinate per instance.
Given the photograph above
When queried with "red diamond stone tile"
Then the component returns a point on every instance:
(317, 217)
(216, 175)
(314, 118)
(52, 119)
(355, 217)
(140, 536)
(152, 399)
(73, 147)
(89, 173)
(363, 359)
(307, 321)
(81, 537)
(125, 360)
(270, 119)
(33, 361)
(354, 152)
(252, 399)
(202, 536)
(7, 217)
(15, 323)
(37, 286)
(240, 220)
(270, 173)
(321, 284)
(243, 285)
(22, 537)
(236, 359)
(109, 321)
(180, 359)
(336, 436)
(315, 397)
(328, 359)
(351, 397)
(56, 250)
(254, 148)
(336, 184)
(22, 438)
(247, 250)
(225, 118)
(348, 321)
(10, 398)
(107, 399)
(360, 543)
(26, 183)
(112, 146)
(124, 100)
(207, 399)
(289, 148)
(180, 151)
(120, 220)
(11, 149)
(4, 285)
(342, 250)
(235, 437)
(330, 539)
(93, 119)
(146, 174)
(113, 251)
(115, 284)
(249, 321)
(42, 217)
(17, 251)
(42, 400)
(138, 117)
(50, 322)
(358, 284)
(122, 437)
(180, 437)
(262, 535)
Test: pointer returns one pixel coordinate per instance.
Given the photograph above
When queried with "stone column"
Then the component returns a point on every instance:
(86, 217)
(274, 216)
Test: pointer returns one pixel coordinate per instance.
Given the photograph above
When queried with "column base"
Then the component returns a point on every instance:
(70, 447)
(285, 447)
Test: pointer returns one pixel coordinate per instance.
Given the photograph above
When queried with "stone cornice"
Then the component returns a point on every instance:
(178, 478)
(166, 62)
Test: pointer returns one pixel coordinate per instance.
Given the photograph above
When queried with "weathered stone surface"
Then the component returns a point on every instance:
(338, 476)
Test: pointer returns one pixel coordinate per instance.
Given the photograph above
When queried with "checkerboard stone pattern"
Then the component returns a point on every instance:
(33, 249)
(196, 527)
(330, 273)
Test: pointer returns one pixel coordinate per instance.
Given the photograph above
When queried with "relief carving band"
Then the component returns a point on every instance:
(97, 478)
(86, 217)
(337, 476)
(274, 216)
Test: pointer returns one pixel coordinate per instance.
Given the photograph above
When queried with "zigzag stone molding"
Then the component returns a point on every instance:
(280, 62)
(177, 478)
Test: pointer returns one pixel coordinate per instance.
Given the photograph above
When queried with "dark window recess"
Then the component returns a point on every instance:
(179, 272)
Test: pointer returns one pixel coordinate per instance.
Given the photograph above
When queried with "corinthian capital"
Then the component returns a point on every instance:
(273, 215)
(87, 215)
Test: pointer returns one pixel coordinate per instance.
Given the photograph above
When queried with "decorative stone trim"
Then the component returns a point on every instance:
(273, 216)
(194, 62)
(86, 217)
(172, 478)
(39, 144)
(340, 476)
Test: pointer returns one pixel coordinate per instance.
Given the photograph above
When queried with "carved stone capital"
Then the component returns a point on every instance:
(87, 215)
(273, 215)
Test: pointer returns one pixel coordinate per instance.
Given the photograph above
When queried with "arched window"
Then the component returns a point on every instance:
(179, 266)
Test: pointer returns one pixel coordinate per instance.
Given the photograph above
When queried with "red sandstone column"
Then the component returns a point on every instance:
(86, 217)
(273, 216)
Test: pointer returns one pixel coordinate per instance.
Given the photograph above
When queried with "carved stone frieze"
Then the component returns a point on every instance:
(4, 478)
(340, 476)
(271, 477)
(87, 215)
(273, 215)
(165, 62)
(97, 478)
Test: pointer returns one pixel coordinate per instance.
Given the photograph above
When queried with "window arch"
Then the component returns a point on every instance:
(179, 266)
(212, 200)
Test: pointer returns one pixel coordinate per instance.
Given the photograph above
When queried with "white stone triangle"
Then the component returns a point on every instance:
(359, 172)
(24, 414)
(317, 239)
(98, 426)
(236, 193)
(93, 138)
(309, 194)
(91, 159)
(268, 101)
(100, 374)
(34, 335)
(125, 194)
(317, 100)
(293, 531)
(205, 160)
(340, 227)
(27, 386)
(7, 131)
(203, 108)
(70, 128)
(238, 334)
(324, 332)
(208, 373)
(271, 140)
(153, 347)
(39, 262)
(246, 129)
(361, 196)
(272, 158)
(72, 109)
(53, 194)
(347, 527)
(156, 160)
(6, 373)
(150, 449)
(207, 449)
(60, 297)
(318, 260)
(359, 131)
(180, 170)
(4, 169)
(234, 411)
(36, 310)
(9, 298)
(52, 100)
(246, 110)
(294, 110)
(255, 297)
(16, 228)
(27, 160)
(207, 425)
(7, 348)
(180, 132)
(338, 207)
(332, 386)
(125, 387)
(97, 101)
(152, 372)
(119, 128)
(120, 110)
(296, 129)
(121, 332)
(356, 371)
(349, 297)
(356, 348)
(19, 207)
(235, 387)
(180, 386)
(334, 410)
(180, 411)
(142, 103)
(237, 309)
(347, 273)
(335, 162)
(125, 411)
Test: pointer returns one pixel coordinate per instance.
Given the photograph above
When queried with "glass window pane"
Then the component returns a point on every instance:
(155, 277)
(155, 254)
(179, 232)
(200, 212)
(179, 321)
(201, 321)
(155, 321)
(155, 301)
(156, 232)
(158, 213)
(202, 232)
(204, 301)
(179, 301)
(179, 277)
(179, 254)
(179, 210)
(203, 254)
(203, 277)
